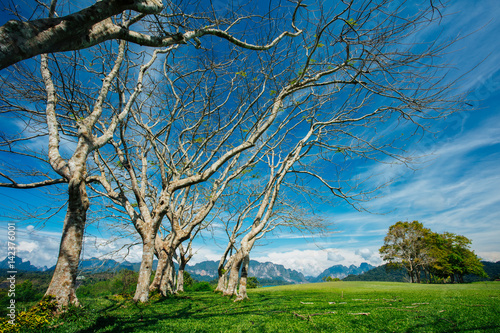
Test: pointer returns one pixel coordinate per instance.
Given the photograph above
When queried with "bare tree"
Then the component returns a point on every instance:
(76, 119)
(356, 78)
(91, 130)
(202, 138)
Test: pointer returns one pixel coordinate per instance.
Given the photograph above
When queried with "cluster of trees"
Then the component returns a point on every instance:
(429, 255)
(172, 116)
(329, 279)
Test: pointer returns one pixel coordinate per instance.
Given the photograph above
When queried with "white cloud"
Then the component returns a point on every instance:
(334, 256)
(24, 246)
(314, 262)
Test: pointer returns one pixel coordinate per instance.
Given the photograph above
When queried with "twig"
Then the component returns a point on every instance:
(308, 318)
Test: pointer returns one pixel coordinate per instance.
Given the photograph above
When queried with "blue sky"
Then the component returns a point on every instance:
(456, 188)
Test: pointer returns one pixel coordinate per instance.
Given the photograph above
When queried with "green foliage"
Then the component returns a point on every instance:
(35, 318)
(405, 245)
(242, 73)
(385, 272)
(252, 282)
(188, 280)
(352, 22)
(439, 257)
(452, 257)
(123, 283)
(330, 279)
(201, 286)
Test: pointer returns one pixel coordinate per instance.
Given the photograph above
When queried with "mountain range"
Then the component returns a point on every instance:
(267, 273)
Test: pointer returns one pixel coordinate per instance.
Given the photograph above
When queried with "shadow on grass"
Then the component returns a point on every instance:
(136, 317)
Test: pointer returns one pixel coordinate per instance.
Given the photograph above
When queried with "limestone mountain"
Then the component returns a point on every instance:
(340, 271)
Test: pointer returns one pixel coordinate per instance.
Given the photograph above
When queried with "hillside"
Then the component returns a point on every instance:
(383, 273)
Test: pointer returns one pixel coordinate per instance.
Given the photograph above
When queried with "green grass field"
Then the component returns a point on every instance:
(322, 307)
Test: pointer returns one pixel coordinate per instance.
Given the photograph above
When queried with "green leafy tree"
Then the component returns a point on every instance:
(405, 246)
(252, 282)
(452, 257)
(188, 280)
(421, 251)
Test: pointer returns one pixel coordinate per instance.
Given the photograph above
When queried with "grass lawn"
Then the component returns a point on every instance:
(322, 307)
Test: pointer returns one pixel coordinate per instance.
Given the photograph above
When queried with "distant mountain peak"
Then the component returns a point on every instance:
(340, 271)
(19, 265)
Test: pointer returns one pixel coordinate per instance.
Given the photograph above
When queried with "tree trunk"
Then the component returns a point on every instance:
(167, 280)
(142, 290)
(412, 276)
(62, 285)
(242, 292)
(232, 283)
(180, 278)
(221, 284)
(162, 264)
(223, 272)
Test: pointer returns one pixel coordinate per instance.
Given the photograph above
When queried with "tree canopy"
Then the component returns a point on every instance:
(438, 257)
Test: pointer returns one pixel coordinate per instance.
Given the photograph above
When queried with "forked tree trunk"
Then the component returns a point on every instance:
(223, 269)
(222, 283)
(242, 292)
(232, 282)
(62, 285)
(223, 272)
(168, 278)
(142, 290)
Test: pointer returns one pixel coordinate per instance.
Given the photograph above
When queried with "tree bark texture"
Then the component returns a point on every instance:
(142, 290)
(180, 278)
(162, 263)
(242, 292)
(167, 284)
(88, 27)
(62, 285)
(222, 282)
(232, 282)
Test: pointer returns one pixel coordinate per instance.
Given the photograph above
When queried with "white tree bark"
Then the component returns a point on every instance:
(88, 27)
(142, 289)
(94, 25)
(242, 291)
(62, 285)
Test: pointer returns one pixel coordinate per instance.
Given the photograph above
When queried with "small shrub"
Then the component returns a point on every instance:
(35, 318)
(188, 280)
(201, 286)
